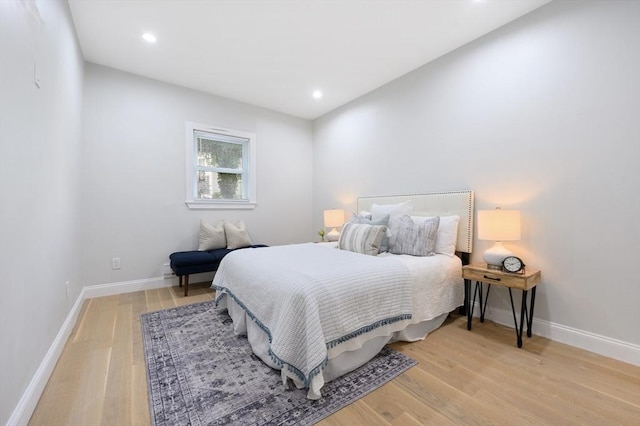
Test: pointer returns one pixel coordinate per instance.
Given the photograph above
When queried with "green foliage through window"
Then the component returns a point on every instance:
(221, 166)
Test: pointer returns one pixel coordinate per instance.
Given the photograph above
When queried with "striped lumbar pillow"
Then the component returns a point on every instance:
(384, 244)
(361, 238)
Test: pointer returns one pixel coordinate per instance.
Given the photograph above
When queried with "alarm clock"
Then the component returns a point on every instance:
(513, 264)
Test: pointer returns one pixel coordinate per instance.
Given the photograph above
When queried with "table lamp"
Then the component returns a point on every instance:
(498, 225)
(333, 219)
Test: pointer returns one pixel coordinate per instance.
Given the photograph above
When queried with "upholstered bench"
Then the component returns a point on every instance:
(185, 263)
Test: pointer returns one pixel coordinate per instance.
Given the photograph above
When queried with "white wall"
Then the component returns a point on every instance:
(134, 175)
(541, 115)
(40, 209)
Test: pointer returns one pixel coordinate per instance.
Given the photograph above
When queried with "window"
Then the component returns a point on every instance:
(220, 167)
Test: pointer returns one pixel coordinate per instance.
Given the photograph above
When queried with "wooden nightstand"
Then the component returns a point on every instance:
(525, 282)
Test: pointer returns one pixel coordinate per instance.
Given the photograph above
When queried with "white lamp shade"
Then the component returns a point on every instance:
(333, 218)
(499, 225)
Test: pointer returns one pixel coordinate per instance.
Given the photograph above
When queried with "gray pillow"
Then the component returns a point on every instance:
(416, 239)
(384, 221)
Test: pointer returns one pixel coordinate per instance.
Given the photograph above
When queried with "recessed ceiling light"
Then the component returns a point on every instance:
(149, 37)
(317, 94)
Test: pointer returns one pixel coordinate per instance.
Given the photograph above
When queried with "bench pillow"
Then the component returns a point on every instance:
(212, 236)
(237, 235)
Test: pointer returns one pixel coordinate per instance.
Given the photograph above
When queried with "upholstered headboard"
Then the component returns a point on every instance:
(435, 204)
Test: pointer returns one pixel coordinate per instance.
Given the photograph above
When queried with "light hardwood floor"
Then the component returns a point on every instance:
(463, 377)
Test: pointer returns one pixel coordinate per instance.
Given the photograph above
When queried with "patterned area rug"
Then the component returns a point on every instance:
(200, 373)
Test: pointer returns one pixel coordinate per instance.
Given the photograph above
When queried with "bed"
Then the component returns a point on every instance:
(316, 312)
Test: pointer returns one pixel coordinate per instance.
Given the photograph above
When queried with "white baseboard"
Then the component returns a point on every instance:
(602, 345)
(31, 395)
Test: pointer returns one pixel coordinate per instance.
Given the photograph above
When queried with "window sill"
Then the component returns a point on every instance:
(221, 205)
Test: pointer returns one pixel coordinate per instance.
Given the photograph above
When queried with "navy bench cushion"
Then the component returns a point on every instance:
(185, 259)
(193, 262)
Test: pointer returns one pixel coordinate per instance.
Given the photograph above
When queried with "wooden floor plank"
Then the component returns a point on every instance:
(545, 384)
(462, 377)
(490, 391)
(458, 407)
(394, 403)
(167, 300)
(140, 414)
(55, 405)
(357, 413)
(153, 300)
(87, 407)
(117, 409)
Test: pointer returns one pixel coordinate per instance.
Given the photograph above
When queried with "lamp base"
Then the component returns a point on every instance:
(333, 235)
(495, 255)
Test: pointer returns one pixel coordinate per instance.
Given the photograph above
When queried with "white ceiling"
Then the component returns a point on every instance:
(274, 54)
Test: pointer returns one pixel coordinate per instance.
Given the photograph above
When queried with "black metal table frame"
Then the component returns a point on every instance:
(524, 312)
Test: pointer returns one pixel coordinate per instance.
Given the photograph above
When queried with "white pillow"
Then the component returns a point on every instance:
(237, 235)
(361, 238)
(364, 214)
(212, 236)
(416, 239)
(379, 211)
(394, 211)
(447, 233)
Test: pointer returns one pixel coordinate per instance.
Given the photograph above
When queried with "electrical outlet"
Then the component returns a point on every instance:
(115, 263)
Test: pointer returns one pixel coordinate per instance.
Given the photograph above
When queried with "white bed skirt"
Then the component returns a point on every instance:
(342, 358)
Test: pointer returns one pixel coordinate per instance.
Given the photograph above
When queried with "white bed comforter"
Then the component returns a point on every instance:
(317, 278)
(284, 289)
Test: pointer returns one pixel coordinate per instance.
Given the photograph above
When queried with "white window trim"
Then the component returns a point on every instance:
(195, 204)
